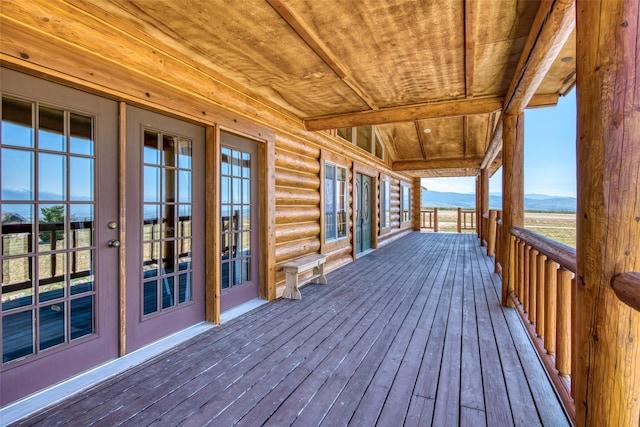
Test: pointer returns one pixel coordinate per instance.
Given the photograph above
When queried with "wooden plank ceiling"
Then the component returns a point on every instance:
(433, 76)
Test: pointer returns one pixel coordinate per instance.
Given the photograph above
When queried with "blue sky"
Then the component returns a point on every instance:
(549, 154)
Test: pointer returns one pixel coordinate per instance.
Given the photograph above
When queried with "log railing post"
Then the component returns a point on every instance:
(459, 220)
(435, 220)
(563, 325)
(491, 233)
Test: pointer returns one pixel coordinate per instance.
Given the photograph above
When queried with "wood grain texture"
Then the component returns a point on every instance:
(512, 183)
(541, 303)
(551, 298)
(122, 200)
(454, 108)
(627, 288)
(212, 225)
(552, 26)
(561, 253)
(378, 324)
(268, 206)
(607, 377)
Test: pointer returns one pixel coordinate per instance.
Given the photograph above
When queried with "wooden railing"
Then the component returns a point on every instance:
(49, 232)
(543, 274)
(429, 219)
(466, 219)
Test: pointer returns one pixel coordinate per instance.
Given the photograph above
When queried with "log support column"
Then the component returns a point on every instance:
(416, 203)
(607, 342)
(512, 192)
(484, 204)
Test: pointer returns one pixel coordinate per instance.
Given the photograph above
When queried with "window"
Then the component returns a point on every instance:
(385, 205)
(365, 137)
(405, 202)
(335, 180)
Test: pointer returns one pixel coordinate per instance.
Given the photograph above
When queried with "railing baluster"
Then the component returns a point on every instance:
(540, 297)
(525, 278)
(551, 290)
(521, 292)
(563, 342)
(491, 234)
(511, 280)
(533, 289)
(544, 271)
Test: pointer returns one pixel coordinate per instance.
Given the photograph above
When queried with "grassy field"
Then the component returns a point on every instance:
(560, 227)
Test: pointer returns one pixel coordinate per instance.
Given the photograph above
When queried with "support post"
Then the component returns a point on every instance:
(512, 187)
(607, 377)
(435, 220)
(484, 206)
(478, 219)
(416, 203)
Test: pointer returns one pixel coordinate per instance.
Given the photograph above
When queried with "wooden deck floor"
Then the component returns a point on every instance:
(412, 334)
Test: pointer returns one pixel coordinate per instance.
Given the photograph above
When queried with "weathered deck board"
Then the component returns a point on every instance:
(411, 334)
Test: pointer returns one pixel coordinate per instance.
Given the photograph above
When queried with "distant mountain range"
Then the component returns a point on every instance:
(532, 202)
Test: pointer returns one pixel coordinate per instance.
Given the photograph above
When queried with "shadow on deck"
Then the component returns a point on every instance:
(412, 334)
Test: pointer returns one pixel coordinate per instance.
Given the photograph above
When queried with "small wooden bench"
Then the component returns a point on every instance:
(294, 268)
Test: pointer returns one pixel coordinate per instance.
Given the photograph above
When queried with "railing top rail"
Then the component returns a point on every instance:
(562, 254)
(627, 288)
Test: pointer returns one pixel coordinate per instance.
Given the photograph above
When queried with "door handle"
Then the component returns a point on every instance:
(113, 243)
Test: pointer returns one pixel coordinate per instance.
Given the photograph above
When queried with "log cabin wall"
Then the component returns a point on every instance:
(162, 79)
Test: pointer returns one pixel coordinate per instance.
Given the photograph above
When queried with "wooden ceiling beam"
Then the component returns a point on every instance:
(320, 49)
(543, 100)
(495, 146)
(412, 165)
(419, 133)
(469, 45)
(436, 110)
(551, 28)
(465, 136)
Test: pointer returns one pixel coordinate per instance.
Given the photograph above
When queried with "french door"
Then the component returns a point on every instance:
(363, 213)
(59, 206)
(239, 279)
(164, 226)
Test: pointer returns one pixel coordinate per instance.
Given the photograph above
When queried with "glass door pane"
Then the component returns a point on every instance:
(166, 247)
(47, 205)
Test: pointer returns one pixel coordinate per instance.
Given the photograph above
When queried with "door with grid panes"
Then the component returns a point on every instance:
(59, 207)
(165, 226)
(363, 213)
(239, 223)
